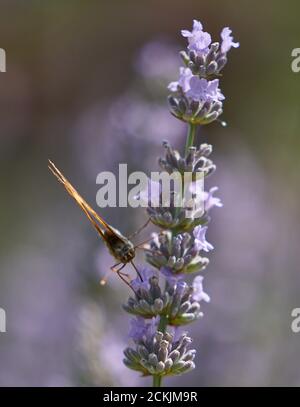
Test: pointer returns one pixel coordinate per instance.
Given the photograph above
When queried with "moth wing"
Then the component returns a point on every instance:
(90, 213)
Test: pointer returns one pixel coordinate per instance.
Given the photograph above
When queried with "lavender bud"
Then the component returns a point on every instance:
(162, 358)
(212, 68)
(153, 360)
(168, 364)
(184, 57)
(221, 62)
(174, 355)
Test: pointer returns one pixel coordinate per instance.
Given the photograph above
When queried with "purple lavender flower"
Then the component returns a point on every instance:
(140, 328)
(198, 39)
(198, 293)
(200, 240)
(146, 273)
(185, 74)
(227, 40)
(171, 277)
(210, 201)
(196, 88)
(202, 90)
(176, 332)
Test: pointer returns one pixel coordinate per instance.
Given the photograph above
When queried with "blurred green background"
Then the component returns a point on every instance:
(76, 91)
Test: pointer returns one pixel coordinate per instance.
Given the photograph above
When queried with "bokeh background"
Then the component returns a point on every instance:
(86, 86)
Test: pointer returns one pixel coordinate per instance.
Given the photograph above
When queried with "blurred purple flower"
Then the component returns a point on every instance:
(138, 118)
(227, 40)
(200, 240)
(157, 60)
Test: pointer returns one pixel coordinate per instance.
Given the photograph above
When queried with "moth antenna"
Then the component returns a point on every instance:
(139, 229)
(140, 245)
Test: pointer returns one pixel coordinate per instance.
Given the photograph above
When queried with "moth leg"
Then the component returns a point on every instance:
(121, 272)
(125, 274)
(103, 280)
(139, 229)
(121, 275)
(118, 271)
(136, 269)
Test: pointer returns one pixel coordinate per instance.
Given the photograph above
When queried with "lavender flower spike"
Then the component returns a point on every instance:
(197, 98)
(164, 301)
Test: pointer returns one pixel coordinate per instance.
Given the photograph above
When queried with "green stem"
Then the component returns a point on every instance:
(156, 381)
(190, 137)
(163, 322)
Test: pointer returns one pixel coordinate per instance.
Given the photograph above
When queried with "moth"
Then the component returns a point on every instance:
(119, 246)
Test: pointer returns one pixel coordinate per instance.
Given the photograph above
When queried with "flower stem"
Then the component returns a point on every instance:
(190, 137)
(156, 381)
(163, 322)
